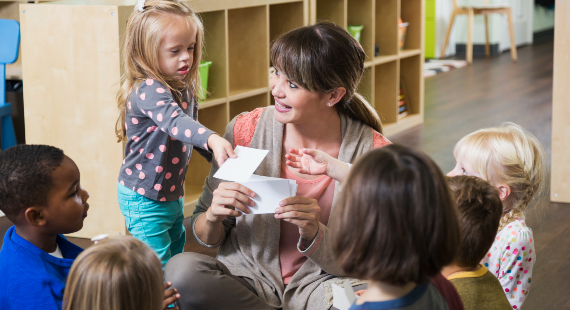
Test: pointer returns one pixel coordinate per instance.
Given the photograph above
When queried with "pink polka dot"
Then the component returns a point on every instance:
(530, 259)
(122, 182)
(150, 114)
(515, 251)
(139, 166)
(526, 271)
(174, 114)
(140, 191)
(523, 248)
(162, 129)
(168, 175)
(513, 233)
(123, 161)
(507, 290)
(187, 133)
(141, 176)
(162, 199)
(184, 105)
(184, 148)
(142, 111)
(201, 130)
(151, 128)
(175, 130)
(173, 188)
(128, 171)
(159, 117)
(150, 155)
(173, 104)
(157, 187)
(508, 247)
(129, 104)
(162, 148)
(160, 103)
(143, 96)
(181, 170)
(149, 82)
(135, 121)
(515, 307)
(530, 251)
(141, 151)
(135, 138)
(510, 278)
(126, 126)
(519, 282)
(206, 146)
(160, 90)
(159, 169)
(175, 160)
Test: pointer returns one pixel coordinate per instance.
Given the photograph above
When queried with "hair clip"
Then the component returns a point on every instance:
(99, 238)
(140, 5)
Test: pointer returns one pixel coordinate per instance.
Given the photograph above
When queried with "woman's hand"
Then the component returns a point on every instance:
(221, 148)
(314, 162)
(303, 212)
(227, 197)
(170, 296)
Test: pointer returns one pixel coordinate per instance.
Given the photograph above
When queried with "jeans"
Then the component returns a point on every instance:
(156, 223)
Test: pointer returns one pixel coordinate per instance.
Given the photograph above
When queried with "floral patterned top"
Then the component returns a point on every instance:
(511, 258)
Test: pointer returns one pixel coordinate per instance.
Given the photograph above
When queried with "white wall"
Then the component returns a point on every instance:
(543, 19)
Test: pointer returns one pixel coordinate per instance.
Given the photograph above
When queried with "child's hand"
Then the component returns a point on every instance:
(221, 147)
(314, 162)
(170, 296)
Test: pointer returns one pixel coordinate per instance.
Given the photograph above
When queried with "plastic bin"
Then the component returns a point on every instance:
(355, 31)
(402, 34)
(204, 69)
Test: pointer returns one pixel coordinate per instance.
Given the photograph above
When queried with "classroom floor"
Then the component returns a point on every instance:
(485, 94)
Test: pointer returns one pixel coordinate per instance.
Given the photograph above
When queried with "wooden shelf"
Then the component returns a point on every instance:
(237, 39)
(380, 83)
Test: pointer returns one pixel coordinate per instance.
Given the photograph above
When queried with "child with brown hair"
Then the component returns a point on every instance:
(117, 273)
(512, 160)
(480, 209)
(407, 229)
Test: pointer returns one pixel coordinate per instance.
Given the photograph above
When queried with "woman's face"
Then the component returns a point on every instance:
(294, 104)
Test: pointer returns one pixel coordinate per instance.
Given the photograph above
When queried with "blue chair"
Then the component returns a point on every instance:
(9, 41)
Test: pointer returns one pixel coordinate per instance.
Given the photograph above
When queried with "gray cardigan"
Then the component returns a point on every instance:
(250, 244)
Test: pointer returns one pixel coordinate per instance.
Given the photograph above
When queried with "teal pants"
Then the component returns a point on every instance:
(156, 223)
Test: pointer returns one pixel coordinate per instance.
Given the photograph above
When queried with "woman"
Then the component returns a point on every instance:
(279, 261)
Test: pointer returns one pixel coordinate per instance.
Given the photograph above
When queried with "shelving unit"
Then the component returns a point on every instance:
(237, 41)
(380, 84)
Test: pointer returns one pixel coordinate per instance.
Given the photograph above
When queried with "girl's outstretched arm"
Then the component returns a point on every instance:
(314, 162)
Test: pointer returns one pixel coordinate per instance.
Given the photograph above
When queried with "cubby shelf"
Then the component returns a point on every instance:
(380, 84)
(237, 40)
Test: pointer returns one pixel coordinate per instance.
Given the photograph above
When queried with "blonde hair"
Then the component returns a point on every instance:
(321, 58)
(143, 34)
(118, 273)
(509, 155)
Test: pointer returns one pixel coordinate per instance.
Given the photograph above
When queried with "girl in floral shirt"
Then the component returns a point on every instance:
(513, 160)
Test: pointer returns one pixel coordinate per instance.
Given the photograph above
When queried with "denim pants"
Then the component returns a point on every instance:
(156, 223)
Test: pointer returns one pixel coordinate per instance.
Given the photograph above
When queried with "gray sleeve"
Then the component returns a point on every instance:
(205, 199)
(320, 251)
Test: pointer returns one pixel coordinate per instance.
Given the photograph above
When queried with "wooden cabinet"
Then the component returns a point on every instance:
(71, 70)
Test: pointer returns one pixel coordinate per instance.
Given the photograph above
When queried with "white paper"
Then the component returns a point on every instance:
(269, 192)
(241, 168)
(343, 298)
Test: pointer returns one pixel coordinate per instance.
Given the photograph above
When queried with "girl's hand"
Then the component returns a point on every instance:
(303, 212)
(221, 148)
(314, 162)
(170, 296)
(227, 197)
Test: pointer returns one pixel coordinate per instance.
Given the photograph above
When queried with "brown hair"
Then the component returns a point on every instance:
(321, 58)
(407, 223)
(118, 273)
(145, 30)
(479, 208)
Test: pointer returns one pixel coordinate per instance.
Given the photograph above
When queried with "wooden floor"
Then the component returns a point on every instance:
(485, 94)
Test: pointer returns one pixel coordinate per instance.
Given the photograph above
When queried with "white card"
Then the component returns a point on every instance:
(268, 193)
(343, 298)
(241, 168)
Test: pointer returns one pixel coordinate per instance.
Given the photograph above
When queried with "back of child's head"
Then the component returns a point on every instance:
(509, 155)
(479, 210)
(26, 177)
(321, 58)
(143, 34)
(118, 273)
(395, 221)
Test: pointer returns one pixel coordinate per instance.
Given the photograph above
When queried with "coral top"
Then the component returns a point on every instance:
(321, 189)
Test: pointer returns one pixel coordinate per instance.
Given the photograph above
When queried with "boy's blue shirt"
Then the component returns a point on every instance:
(30, 278)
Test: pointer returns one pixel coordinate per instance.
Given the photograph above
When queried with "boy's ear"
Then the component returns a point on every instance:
(504, 191)
(35, 216)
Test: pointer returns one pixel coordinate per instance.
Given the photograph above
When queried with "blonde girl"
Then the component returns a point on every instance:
(158, 121)
(118, 273)
(512, 160)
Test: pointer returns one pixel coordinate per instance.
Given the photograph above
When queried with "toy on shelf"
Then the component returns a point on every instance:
(355, 31)
(204, 69)
(403, 104)
(402, 27)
